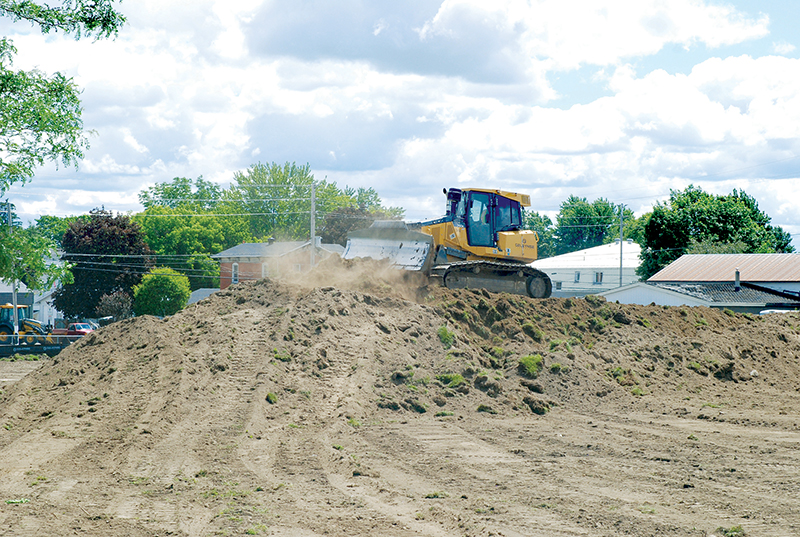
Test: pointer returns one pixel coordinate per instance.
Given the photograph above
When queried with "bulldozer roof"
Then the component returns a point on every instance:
(523, 199)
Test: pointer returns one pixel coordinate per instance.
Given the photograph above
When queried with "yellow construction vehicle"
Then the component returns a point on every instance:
(30, 330)
(478, 244)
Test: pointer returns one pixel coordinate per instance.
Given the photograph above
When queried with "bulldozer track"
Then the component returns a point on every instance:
(513, 278)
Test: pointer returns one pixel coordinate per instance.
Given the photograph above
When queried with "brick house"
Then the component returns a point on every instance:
(256, 260)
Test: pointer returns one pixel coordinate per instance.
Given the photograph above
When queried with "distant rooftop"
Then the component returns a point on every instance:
(722, 268)
(726, 293)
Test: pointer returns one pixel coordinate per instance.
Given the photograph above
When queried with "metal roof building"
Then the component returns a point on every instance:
(780, 272)
(763, 282)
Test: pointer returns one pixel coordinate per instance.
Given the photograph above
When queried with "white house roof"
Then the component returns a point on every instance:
(604, 256)
(722, 268)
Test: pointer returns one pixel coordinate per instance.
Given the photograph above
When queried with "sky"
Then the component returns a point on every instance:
(616, 99)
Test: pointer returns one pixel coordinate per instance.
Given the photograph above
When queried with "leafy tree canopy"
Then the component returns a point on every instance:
(184, 240)
(54, 227)
(695, 219)
(581, 224)
(543, 226)
(82, 18)
(40, 115)
(162, 292)
(27, 255)
(108, 253)
(199, 195)
(277, 200)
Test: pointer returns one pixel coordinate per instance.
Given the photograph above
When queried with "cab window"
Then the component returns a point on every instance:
(479, 225)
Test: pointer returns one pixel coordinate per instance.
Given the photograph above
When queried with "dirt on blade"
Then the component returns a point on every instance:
(363, 404)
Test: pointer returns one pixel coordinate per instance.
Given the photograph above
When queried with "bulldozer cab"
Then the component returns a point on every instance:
(7, 312)
(485, 213)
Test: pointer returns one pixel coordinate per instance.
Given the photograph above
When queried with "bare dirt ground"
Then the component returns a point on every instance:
(368, 406)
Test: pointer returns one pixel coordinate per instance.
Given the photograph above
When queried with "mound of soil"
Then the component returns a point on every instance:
(364, 403)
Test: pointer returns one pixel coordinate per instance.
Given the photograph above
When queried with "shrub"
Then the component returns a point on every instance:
(272, 398)
(531, 365)
(557, 368)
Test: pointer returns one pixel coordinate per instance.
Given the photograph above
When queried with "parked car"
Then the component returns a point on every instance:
(72, 332)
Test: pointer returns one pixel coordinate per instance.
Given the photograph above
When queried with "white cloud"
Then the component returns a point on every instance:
(413, 96)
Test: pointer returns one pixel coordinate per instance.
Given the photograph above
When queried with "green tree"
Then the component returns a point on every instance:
(278, 200)
(544, 228)
(30, 258)
(27, 255)
(184, 240)
(162, 292)
(198, 195)
(706, 222)
(580, 224)
(40, 115)
(108, 254)
(54, 227)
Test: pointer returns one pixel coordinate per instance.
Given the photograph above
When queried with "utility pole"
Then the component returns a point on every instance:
(313, 223)
(15, 337)
(620, 243)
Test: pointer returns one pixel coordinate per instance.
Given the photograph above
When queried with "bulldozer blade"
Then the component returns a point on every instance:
(409, 250)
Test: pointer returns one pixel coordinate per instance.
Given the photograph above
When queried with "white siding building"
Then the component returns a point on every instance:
(593, 270)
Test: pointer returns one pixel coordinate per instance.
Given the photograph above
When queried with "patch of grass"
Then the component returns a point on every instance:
(443, 413)
(555, 344)
(624, 377)
(487, 409)
(451, 380)
(735, 531)
(272, 398)
(446, 336)
(436, 494)
(557, 368)
(637, 391)
(354, 423)
(692, 437)
(283, 356)
(531, 365)
(532, 331)
(647, 509)
(337, 447)
(645, 322)
(729, 313)
(701, 322)
(697, 368)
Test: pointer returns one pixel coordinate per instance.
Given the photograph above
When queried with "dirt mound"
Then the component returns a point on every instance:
(277, 409)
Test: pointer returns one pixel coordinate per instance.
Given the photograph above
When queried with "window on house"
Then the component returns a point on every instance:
(264, 270)
(558, 286)
(598, 277)
(235, 273)
(577, 276)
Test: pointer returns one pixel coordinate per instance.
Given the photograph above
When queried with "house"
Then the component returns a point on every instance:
(253, 261)
(746, 283)
(593, 270)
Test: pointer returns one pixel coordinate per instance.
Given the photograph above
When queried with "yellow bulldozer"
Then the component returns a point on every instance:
(478, 244)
